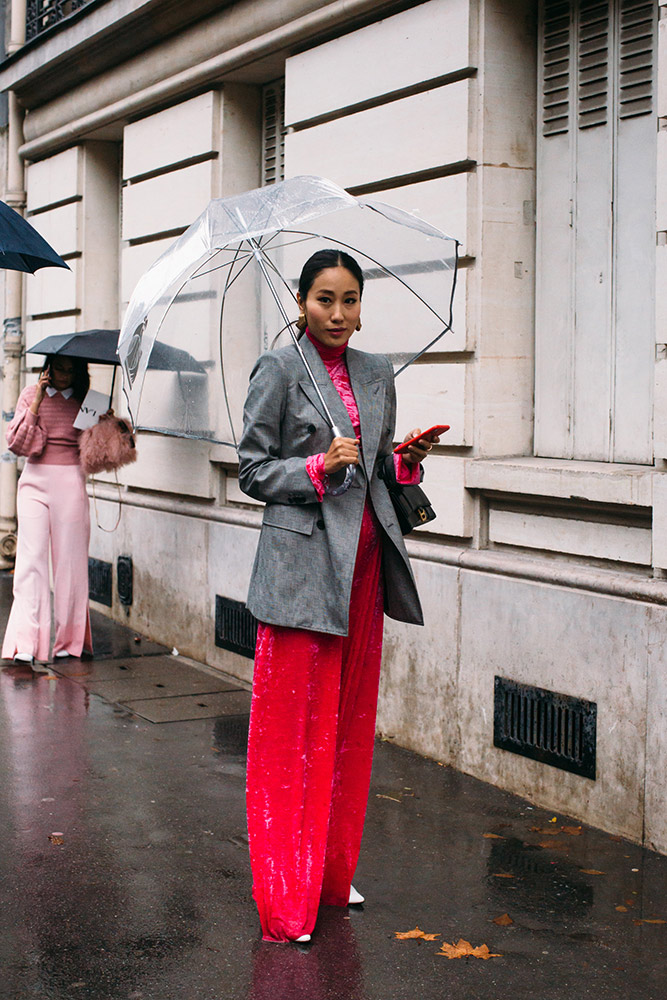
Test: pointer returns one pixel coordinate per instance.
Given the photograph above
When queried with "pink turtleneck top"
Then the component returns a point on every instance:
(336, 365)
(49, 437)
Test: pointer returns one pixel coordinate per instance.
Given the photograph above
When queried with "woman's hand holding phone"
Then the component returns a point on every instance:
(42, 384)
(417, 444)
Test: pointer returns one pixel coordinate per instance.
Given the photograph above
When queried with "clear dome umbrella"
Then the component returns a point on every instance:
(225, 291)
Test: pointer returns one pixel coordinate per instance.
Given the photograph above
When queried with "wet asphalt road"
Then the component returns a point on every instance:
(147, 897)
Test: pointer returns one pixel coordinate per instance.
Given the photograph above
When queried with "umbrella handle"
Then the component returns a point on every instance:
(350, 472)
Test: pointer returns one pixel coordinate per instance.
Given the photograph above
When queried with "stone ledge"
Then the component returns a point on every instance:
(596, 482)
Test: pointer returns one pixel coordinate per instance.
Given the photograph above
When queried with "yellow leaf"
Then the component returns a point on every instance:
(463, 949)
(391, 797)
(621, 909)
(416, 933)
(554, 819)
(591, 871)
(493, 836)
(501, 875)
(649, 922)
(504, 920)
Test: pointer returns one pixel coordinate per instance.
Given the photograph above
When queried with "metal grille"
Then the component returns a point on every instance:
(100, 582)
(124, 576)
(593, 63)
(235, 627)
(636, 58)
(556, 67)
(273, 132)
(43, 14)
(554, 729)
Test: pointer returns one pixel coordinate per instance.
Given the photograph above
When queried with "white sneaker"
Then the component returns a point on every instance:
(356, 899)
(23, 657)
(61, 654)
(303, 939)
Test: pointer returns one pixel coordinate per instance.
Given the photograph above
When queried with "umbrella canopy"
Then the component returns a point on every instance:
(100, 347)
(21, 246)
(228, 284)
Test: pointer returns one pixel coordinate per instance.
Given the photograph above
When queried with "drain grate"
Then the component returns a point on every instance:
(100, 581)
(552, 728)
(235, 627)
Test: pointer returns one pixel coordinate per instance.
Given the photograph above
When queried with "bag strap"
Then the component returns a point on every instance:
(109, 531)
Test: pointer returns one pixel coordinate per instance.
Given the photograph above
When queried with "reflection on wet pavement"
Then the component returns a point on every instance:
(145, 893)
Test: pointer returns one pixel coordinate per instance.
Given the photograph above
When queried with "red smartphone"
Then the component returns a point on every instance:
(432, 432)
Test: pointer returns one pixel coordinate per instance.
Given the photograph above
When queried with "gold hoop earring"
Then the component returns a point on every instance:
(358, 326)
(302, 323)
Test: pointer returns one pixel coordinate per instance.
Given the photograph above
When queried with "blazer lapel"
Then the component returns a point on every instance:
(327, 388)
(369, 392)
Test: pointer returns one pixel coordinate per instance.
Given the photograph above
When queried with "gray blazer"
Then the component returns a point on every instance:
(302, 576)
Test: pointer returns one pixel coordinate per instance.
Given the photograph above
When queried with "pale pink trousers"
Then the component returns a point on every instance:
(52, 506)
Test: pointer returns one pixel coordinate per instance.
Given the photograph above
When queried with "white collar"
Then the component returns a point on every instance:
(65, 393)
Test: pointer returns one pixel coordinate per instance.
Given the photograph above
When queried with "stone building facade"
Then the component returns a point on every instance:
(535, 133)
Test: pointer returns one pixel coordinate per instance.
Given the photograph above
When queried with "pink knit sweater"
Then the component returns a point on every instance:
(48, 438)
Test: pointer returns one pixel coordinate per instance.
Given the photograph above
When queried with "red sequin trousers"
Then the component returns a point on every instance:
(310, 750)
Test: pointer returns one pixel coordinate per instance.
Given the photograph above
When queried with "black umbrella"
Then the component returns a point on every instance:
(99, 346)
(21, 246)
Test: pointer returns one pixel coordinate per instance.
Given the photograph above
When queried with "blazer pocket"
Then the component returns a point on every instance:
(299, 519)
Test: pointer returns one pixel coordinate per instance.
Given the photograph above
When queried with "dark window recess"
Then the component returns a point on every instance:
(124, 575)
(553, 728)
(100, 581)
(43, 14)
(235, 627)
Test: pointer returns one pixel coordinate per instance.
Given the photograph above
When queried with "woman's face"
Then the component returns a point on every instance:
(62, 373)
(332, 306)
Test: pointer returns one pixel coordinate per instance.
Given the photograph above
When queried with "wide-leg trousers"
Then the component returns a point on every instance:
(52, 507)
(310, 750)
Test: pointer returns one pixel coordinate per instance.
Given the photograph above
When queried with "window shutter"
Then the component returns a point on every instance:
(556, 67)
(273, 132)
(593, 63)
(636, 58)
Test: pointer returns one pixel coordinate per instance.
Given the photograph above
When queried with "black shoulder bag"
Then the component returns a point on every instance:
(411, 504)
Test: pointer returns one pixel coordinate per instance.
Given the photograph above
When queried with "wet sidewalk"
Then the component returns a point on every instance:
(124, 871)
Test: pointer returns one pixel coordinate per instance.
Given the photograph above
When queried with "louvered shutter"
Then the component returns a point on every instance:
(273, 132)
(596, 231)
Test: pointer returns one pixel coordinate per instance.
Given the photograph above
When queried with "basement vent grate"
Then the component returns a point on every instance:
(124, 575)
(235, 627)
(100, 582)
(555, 729)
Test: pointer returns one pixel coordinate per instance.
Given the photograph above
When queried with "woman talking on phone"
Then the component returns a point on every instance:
(52, 507)
(327, 568)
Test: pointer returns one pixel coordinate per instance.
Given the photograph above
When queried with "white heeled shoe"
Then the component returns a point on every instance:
(356, 899)
(302, 939)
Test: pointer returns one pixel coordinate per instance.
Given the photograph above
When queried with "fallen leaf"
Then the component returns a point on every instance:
(629, 902)
(591, 871)
(416, 933)
(552, 845)
(463, 949)
(504, 920)
(621, 909)
(545, 833)
(391, 797)
(493, 836)
(56, 838)
(572, 831)
(501, 875)
(638, 922)
(554, 819)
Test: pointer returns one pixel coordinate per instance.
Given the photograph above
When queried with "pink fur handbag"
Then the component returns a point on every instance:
(107, 446)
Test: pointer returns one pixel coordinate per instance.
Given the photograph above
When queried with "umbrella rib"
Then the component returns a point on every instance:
(228, 284)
